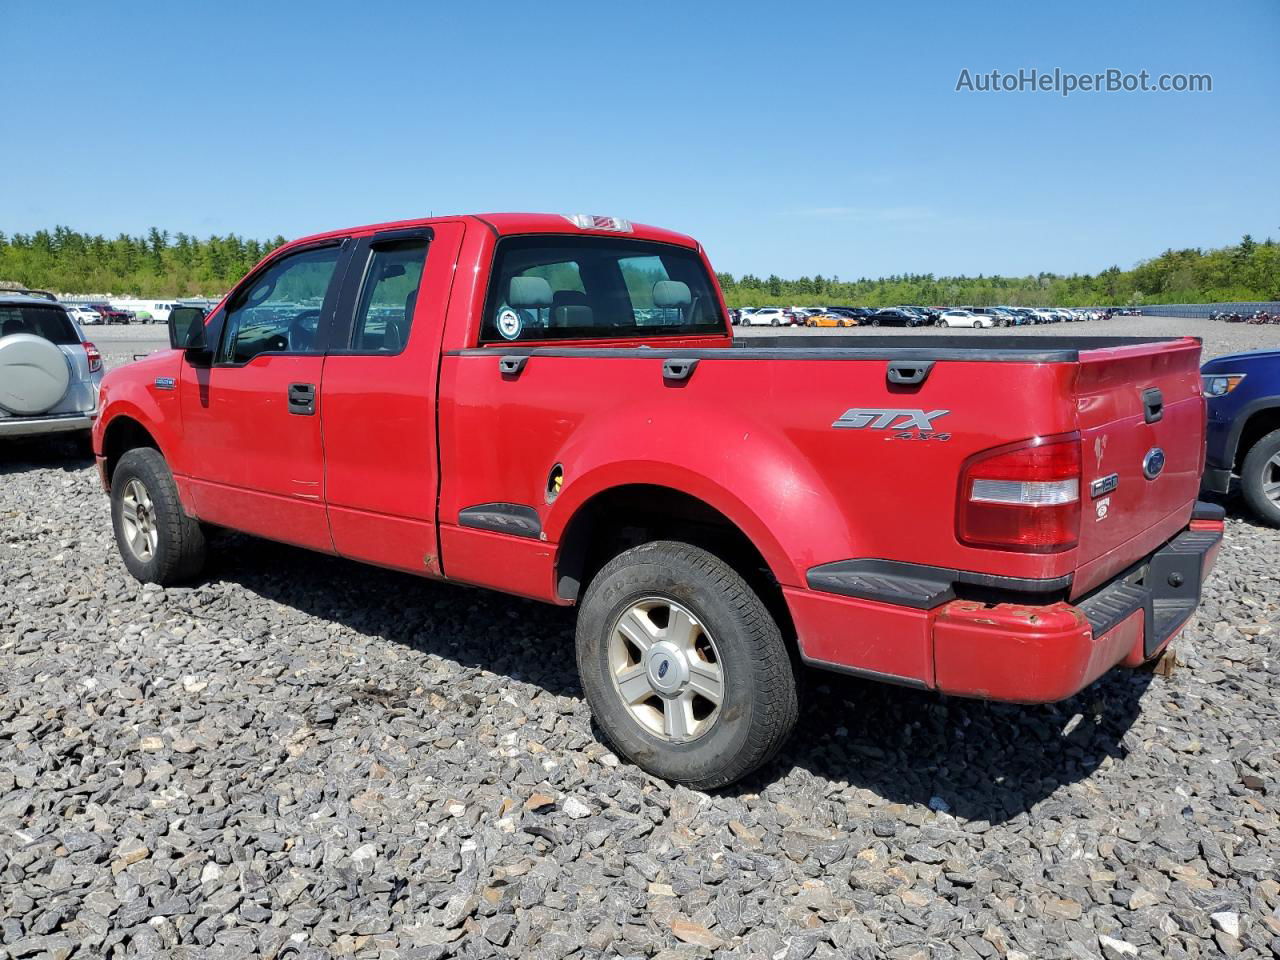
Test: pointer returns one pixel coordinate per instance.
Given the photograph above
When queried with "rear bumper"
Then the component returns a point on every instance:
(36, 426)
(1016, 652)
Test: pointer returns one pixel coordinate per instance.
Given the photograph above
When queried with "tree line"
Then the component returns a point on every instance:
(1246, 271)
(161, 264)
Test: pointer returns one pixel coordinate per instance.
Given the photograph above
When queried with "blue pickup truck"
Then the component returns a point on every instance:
(1243, 390)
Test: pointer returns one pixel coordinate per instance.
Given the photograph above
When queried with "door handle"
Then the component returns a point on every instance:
(908, 373)
(1152, 405)
(302, 399)
(676, 370)
(510, 366)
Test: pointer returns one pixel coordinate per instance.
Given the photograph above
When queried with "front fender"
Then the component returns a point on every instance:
(135, 391)
(752, 475)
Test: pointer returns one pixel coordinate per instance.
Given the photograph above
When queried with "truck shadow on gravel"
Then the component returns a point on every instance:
(24, 454)
(980, 761)
(984, 761)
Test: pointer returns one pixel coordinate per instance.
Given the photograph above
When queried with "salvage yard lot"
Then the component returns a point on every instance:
(298, 756)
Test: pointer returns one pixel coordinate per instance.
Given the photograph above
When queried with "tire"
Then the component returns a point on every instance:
(1259, 476)
(775, 322)
(758, 706)
(943, 323)
(874, 322)
(143, 486)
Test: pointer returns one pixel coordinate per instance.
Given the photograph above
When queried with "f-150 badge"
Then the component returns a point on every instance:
(857, 418)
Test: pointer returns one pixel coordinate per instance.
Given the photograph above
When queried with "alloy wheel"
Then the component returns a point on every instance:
(666, 669)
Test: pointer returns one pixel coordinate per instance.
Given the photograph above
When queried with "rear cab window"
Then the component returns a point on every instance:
(556, 287)
(51, 323)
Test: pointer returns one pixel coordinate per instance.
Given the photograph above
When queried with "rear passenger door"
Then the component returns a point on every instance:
(378, 408)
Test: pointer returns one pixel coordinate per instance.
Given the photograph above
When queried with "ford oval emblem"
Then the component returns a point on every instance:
(662, 668)
(1153, 463)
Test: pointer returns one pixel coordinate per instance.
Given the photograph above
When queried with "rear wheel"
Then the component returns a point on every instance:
(158, 542)
(685, 671)
(1260, 478)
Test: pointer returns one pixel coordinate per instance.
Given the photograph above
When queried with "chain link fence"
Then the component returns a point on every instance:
(1202, 310)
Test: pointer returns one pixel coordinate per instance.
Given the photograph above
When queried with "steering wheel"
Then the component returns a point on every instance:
(302, 330)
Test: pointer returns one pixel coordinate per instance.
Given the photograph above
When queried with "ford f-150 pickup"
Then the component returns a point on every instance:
(555, 407)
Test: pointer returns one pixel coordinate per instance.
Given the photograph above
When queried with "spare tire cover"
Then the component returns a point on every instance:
(34, 375)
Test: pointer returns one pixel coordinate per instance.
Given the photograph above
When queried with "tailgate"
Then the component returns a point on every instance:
(1141, 418)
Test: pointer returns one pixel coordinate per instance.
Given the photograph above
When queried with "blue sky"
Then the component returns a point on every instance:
(790, 138)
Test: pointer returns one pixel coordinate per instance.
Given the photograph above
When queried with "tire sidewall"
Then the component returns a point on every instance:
(616, 589)
(147, 467)
(1251, 471)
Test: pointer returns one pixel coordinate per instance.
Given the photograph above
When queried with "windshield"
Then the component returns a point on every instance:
(569, 288)
(51, 322)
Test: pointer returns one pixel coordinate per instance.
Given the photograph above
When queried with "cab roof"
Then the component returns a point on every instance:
(513, 224)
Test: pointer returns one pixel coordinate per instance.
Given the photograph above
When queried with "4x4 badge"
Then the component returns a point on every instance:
(858, 417)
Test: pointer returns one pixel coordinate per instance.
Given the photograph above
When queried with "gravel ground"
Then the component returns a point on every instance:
(303, 757)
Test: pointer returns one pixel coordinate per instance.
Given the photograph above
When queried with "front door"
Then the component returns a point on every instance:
(251, 416)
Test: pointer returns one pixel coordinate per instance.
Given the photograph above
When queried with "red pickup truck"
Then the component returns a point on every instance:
(555, 407)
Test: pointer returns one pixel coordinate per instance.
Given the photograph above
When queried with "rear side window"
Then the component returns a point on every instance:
(580, 288)
(388, 296)
(52, 323)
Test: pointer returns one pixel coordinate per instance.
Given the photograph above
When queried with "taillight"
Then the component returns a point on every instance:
(95, 358)
(1022, 496)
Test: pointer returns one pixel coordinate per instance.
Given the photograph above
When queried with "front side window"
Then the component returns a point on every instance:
(388, 296)
(279, 311)
(578, 288)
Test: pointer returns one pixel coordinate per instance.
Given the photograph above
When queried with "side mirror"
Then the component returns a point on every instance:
(186, 329)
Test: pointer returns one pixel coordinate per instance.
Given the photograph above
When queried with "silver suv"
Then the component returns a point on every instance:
(49, 373)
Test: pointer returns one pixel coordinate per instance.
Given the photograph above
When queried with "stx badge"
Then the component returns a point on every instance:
(857, 418)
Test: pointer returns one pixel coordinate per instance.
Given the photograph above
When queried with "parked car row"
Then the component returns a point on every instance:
(913, 316)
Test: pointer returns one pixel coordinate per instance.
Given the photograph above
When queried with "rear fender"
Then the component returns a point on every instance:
(758, 481)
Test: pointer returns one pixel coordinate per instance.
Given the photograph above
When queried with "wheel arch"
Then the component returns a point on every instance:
(1254, 422)
(122, 434)
(624, 515)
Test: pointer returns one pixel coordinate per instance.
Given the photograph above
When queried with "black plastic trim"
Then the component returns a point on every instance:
(512, 366)
(916, 585)
(515, 519)
(1152, 405)
(1166, 587)
(1204, 510)
(678, 369)
(865, 674)
(905, 373)
(1216, 480)
(921, 349)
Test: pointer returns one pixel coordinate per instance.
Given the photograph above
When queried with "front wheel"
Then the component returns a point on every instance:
(158, 542)
(685, 670)
(1260, 478)
(943, 323)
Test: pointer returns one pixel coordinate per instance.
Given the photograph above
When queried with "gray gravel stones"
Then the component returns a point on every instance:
(303, 758)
